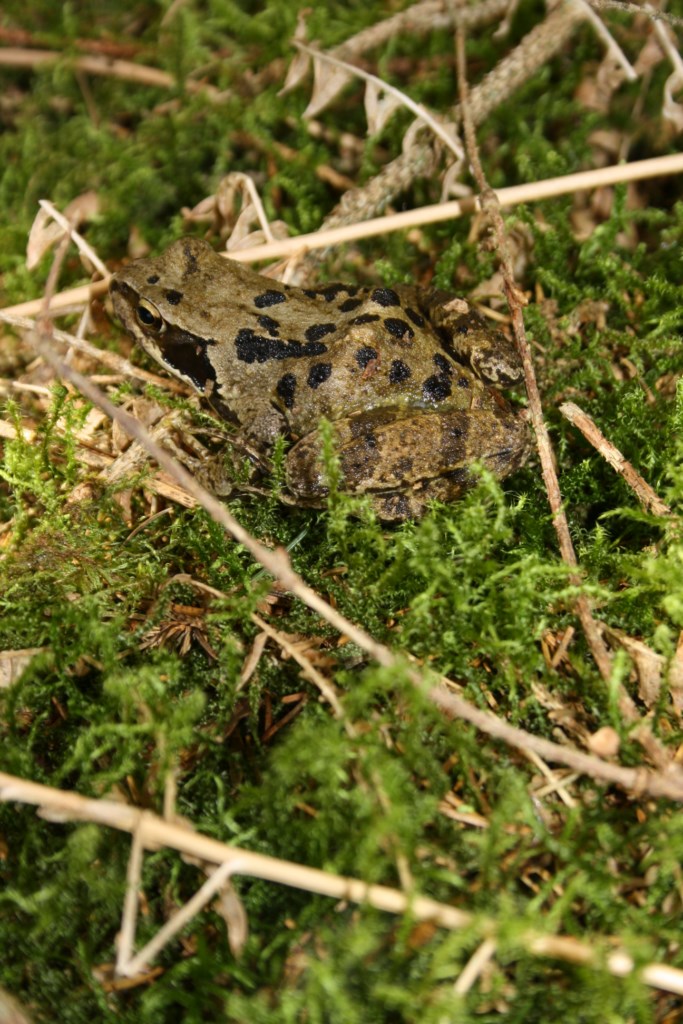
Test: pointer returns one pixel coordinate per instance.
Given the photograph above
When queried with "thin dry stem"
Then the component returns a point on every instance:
(629, 8)
(474, 966)
(116, 363)
(106, 67)
(556, 784)
(78, 240)
(135, 965)
(642, 733)
(420, 18)
(667, 783)
(537, 47)
(613, 48)
(530, 192)
(595, 641)
(648, 498)
(126, 936)
(20, 57)
(421, 112)
(326, 688)
(58, 805)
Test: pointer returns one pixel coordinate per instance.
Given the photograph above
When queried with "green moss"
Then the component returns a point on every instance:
(475, 590)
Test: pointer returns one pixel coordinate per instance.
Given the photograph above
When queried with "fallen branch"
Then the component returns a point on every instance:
(530, 192)
(150, 832)
(649, 500)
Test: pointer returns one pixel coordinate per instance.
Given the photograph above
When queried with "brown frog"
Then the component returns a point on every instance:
(404, 374)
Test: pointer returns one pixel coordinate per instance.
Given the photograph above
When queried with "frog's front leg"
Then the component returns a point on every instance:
(404, 457)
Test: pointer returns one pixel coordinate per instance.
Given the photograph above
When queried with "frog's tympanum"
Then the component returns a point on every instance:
(405, 375)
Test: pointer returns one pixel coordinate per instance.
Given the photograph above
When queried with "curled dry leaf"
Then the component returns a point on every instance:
(298, 70)
(231, 909)
(379, 106)
(651, 670)
(328, 82)
(12, 664)
(44, 233)
(252, 659)
(330, 74)
(671, 110)
(233, 211)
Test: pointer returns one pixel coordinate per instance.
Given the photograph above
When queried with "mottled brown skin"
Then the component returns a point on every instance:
(404, 374)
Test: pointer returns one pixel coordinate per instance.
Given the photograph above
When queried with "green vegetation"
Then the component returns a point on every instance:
(475, 591)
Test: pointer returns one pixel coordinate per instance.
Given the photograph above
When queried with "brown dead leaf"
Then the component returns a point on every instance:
(328, 82)
(13, 663)
(230, 907)
(45, 233)
(379, 106)
(252, 659)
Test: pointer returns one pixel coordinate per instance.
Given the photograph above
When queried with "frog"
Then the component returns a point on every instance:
(409, 377)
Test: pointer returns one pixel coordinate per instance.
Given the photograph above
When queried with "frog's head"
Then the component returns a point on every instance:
(155, 294)
(155, 300)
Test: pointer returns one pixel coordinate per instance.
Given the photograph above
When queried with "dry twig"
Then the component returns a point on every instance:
(654, 749)
(102, 66)
(436, 213)
(150, 831)
(649, 500)
(593, 636)
(533, 52)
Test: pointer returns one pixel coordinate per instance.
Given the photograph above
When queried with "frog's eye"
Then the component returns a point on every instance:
(148, 316)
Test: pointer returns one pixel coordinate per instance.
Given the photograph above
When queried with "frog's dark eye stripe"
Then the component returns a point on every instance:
(148, 316)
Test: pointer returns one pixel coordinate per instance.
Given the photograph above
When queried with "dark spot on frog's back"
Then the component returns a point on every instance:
(436, 388)
(153, 279)
(366, 318)
(350, 305)
(418, 320)
(256, 348)
(453, 438)
(174, 297)
(269, 298)
(399, 371)
(443, 365)
(328, 292)
(331, 291)
(395, 506)
(385, 297)
(191, 262)
(268, 324)
(317, 331)
(286, 389)
(359, 461)
(402, 467)
(364, 355)
(318, 374)
(399, 328)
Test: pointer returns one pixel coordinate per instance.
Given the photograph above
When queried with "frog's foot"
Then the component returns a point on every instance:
(468, 338)
(404, 459)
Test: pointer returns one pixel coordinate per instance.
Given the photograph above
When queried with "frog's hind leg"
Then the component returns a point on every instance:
(402, 459)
